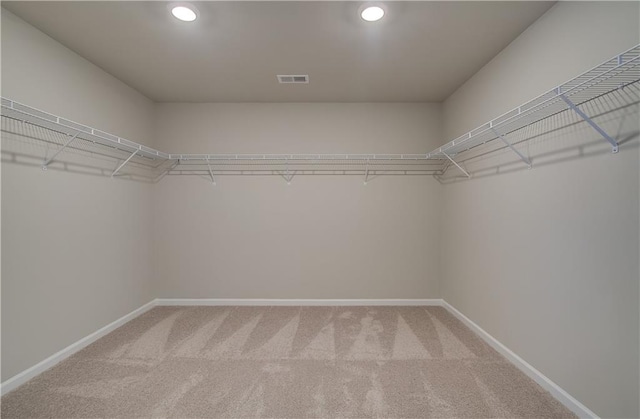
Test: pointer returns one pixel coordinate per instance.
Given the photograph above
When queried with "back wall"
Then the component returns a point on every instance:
(321, 236)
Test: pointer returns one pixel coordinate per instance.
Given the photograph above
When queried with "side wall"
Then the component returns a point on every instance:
(546, 260)
(321, 236)
(76, 248)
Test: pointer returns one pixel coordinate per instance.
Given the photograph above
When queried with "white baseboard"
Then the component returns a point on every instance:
(21, 378)
(556, 391)
(294, 302)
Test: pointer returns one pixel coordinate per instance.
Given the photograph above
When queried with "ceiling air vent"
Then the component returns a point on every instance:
(286, 79)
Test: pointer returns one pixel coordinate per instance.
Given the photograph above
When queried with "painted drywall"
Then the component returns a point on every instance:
(76, 249)
(546, 260)
(321, 236)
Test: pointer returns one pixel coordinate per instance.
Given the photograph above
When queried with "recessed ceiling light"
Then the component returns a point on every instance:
(184, 12)
(372, 13)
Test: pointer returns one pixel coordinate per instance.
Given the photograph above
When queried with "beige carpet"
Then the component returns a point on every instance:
(285, 362)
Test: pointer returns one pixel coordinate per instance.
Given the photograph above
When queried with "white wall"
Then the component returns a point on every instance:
(547, 260)
(76, 249)
(320, 237)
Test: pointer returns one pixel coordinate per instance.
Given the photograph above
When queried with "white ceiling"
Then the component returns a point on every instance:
(420, 51)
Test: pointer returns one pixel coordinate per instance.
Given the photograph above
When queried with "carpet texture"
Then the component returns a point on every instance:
(285, 362)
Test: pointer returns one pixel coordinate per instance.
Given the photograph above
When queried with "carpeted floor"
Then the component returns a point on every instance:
(285, 362)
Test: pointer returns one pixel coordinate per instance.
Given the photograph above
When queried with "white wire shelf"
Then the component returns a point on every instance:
(43, 119)
(53, 141)
(617, 73)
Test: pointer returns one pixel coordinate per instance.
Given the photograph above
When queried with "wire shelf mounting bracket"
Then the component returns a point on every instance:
(457, 165)
(213, 179)
(46, 163)
(366, 173)
(504, 140)
(287, 175)
(574, 107)
(124, 163)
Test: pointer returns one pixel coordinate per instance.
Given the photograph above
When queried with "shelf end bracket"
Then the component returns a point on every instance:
(610, 140)
(504, 140)
(457, 165)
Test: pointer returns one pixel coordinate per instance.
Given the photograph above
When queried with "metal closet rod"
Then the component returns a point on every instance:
(609, 76)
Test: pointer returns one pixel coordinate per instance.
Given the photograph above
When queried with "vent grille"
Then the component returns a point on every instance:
(289, 78)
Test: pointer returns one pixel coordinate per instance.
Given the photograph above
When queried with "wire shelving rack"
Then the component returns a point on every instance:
(53, 141)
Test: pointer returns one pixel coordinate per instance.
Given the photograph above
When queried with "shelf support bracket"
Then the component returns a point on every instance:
(213, 179)
(287, 176)
(614, 143)
(504, 140)
(457, 165)
(123, 163)
(50, 159)
(366, 173)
